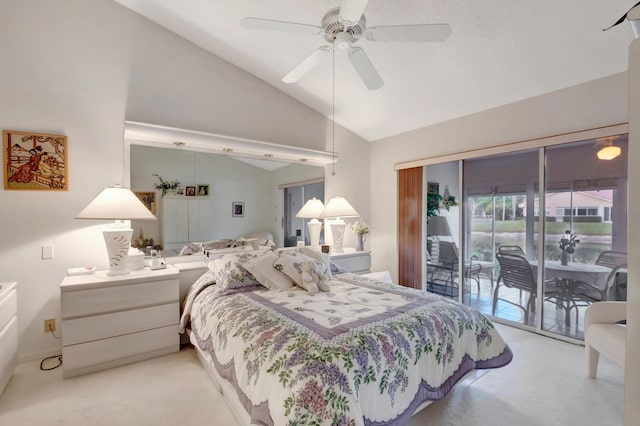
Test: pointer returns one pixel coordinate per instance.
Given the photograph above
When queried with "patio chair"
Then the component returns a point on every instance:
(616, 287)
(449, 260)
(510, 249)
(516, 272)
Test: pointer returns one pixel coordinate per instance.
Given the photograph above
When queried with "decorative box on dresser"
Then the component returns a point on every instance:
(114, 320)
(356, 262)
(8, 332)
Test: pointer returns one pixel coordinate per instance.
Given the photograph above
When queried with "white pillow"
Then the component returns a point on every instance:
(262, 269)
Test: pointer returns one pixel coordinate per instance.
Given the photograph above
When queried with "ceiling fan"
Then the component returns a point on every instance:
(344, 26)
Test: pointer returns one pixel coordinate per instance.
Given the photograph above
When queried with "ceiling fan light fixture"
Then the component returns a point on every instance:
(343, 41)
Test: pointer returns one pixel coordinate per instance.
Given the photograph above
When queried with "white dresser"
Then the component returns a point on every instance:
(110, 321)
(8, 332)
(356, 262)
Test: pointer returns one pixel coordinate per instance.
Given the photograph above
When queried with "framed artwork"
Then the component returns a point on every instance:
(148, 199)
(34, 161)
(203, 191)
(237, 209)
(190, 191)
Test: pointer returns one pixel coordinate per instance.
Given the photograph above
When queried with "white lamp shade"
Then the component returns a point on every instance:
(311, 209)
(338, 207)
(116, 203)
(609, 152)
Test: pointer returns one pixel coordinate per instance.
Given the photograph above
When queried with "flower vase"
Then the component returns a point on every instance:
(360, 242)
(564, 258)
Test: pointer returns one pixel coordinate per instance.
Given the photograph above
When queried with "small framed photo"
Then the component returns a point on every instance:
(237, 209)
(203, 191)
(148, 199)
(34, 161)
(190, 191)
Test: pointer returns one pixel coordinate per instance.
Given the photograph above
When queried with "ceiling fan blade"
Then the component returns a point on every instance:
(309, 62)
(422, 33)
(271, 25)
(351, 11)
(365, 68)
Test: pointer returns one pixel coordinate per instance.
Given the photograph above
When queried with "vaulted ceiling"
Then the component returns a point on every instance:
(499, 52)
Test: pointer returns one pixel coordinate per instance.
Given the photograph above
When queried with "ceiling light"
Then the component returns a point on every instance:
(608, 151)
(303, 160)
(269, 155)
(179, 143)
(227, 149)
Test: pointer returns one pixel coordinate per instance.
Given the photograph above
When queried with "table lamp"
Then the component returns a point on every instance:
(437, 227)
(337, 208)
(119, 204)
(312, 210)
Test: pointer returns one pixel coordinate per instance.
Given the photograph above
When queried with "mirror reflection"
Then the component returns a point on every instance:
(211, 196)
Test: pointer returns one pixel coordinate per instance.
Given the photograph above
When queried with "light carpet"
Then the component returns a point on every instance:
(545, 384)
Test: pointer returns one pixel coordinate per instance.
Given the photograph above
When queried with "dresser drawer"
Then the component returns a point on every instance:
(85, 329)
(355, 263)
(117, 298)
(8, 306)
(108, 351)
(8, 351)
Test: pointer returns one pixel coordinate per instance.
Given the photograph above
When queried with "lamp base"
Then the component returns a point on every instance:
(337, 231)
(118, 241)
(314, 226)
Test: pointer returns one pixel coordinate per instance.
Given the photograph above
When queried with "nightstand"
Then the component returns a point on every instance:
(356, 262)
(109, 321)
(8, 332)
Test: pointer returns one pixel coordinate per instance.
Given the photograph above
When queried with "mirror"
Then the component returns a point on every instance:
(231, 196)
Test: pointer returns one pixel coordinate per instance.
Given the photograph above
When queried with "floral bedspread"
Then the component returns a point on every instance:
(365, 353)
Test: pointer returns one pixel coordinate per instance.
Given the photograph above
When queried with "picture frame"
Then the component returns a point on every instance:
(34, 161)
(190, 191)
(148, 199)
(203, 190)
(237, 209)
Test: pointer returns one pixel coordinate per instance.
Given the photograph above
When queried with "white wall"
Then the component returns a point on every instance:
(632, 369)
(356, 171)
(80, 68)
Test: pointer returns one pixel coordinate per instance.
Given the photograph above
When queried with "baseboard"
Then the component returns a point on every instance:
(38, 355)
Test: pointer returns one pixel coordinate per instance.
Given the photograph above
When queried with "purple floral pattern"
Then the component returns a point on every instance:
(312, 374)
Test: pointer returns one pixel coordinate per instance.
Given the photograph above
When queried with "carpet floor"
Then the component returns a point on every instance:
(545, 384)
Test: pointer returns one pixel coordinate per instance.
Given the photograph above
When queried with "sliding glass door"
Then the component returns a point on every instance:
(586, 232)
(499, 193)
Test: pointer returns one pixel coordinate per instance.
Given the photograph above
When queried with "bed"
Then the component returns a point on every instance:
(363, 352)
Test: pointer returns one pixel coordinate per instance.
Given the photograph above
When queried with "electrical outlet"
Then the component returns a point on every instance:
(49, 325)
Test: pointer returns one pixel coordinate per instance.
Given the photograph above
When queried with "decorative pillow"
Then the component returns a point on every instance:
(313, 277)
(255, 242)
(263, 271)
(189, 249)
(229, 270)
(318, 255)
(216, 244)
(290, 263)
